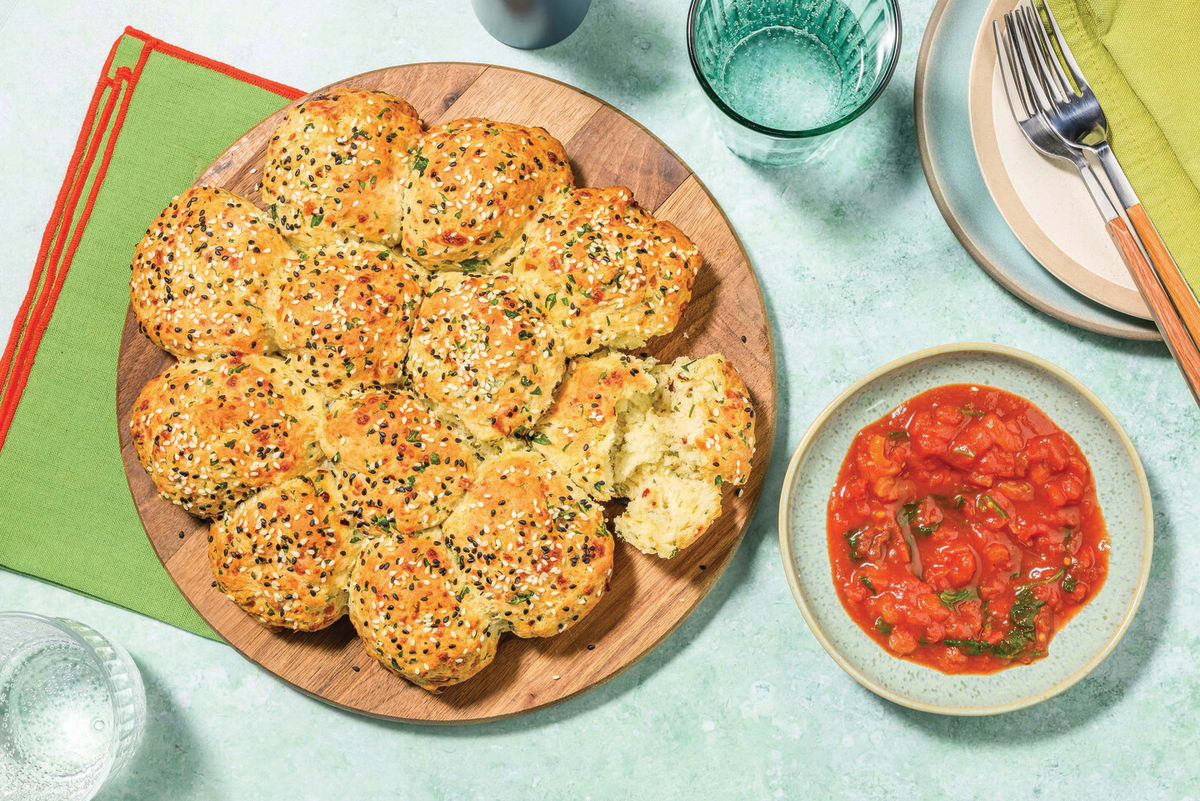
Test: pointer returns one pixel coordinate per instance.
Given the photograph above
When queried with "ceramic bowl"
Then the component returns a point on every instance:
(1120, 484)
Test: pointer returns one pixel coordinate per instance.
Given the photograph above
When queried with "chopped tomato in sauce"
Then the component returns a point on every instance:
(964, 530)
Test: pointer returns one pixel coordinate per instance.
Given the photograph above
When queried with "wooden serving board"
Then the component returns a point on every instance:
(648, 597)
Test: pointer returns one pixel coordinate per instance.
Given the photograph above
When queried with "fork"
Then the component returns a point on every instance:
(1076, 114)
(1027, 99)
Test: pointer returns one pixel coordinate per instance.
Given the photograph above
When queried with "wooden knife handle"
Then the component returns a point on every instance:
(1172, 277)
(1153, 289)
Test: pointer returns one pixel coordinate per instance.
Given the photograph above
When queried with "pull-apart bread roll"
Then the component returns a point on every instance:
(285, 554)
(344, 314)
(482, 352)
(697, 437)
(473, 188)
(581, 432)
(402, 395)
(417, 613)
(525, 551)
(404, 467)
(200, 275)
(211, 433)
(605, 272)
(531, 543)
(335, 165)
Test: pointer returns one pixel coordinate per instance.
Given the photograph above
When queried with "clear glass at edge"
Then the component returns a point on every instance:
(785, 76)
(72, 709)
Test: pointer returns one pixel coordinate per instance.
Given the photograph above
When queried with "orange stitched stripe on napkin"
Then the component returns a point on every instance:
(28, 326)
(153, 43)
(50, 271)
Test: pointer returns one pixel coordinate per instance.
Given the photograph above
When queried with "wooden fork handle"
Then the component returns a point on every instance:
(1153, 286)
(1172, 277)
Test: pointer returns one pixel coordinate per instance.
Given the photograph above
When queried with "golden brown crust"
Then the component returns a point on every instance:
(580, 431)
(200, 275)
(417, 614)
(285, 554)
(343, 316)
(532, 543)
(474, 186)
(481, 351)
(211, 433)
(606, 272)
(335, 165)
(403, 466)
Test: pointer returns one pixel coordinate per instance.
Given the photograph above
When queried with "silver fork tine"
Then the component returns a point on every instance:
(1008, 74)
(1020, 79)
(1033, 79)
(1061, 41)
(1045, 54)
(1053, 91)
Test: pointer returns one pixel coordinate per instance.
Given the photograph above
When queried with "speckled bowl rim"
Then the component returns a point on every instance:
(814, 429)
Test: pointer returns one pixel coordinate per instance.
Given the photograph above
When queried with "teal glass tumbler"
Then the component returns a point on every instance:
(786, 76)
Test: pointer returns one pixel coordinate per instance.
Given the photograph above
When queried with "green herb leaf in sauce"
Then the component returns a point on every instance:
(907, 515)
(853, 536)
(986, 500)
(951, 598)
(968, 647)
(1018, 640)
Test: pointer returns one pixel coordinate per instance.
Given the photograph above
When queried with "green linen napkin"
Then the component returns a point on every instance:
(1140, 58)
(159, 117)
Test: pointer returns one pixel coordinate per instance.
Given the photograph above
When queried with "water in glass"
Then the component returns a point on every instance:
(71, 709)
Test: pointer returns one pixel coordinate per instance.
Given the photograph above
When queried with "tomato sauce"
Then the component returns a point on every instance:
(964, 530)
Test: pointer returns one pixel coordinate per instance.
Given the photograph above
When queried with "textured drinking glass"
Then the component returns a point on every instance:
(72, 709)
(787, 75)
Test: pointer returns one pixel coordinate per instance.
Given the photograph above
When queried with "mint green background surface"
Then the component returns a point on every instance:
(858, 268)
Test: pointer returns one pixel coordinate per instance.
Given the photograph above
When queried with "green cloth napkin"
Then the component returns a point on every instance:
(66, 514)
(1140, 56)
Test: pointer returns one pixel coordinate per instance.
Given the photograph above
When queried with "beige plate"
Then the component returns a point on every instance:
(1042, 199)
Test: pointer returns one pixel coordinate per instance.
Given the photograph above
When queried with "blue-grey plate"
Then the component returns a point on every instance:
(944, 140)
(1120, 486)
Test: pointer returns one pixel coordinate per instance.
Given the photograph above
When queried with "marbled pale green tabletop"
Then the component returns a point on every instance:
(858, 268)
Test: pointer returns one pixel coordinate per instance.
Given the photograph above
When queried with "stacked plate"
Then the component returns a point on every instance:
(1040, 239)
